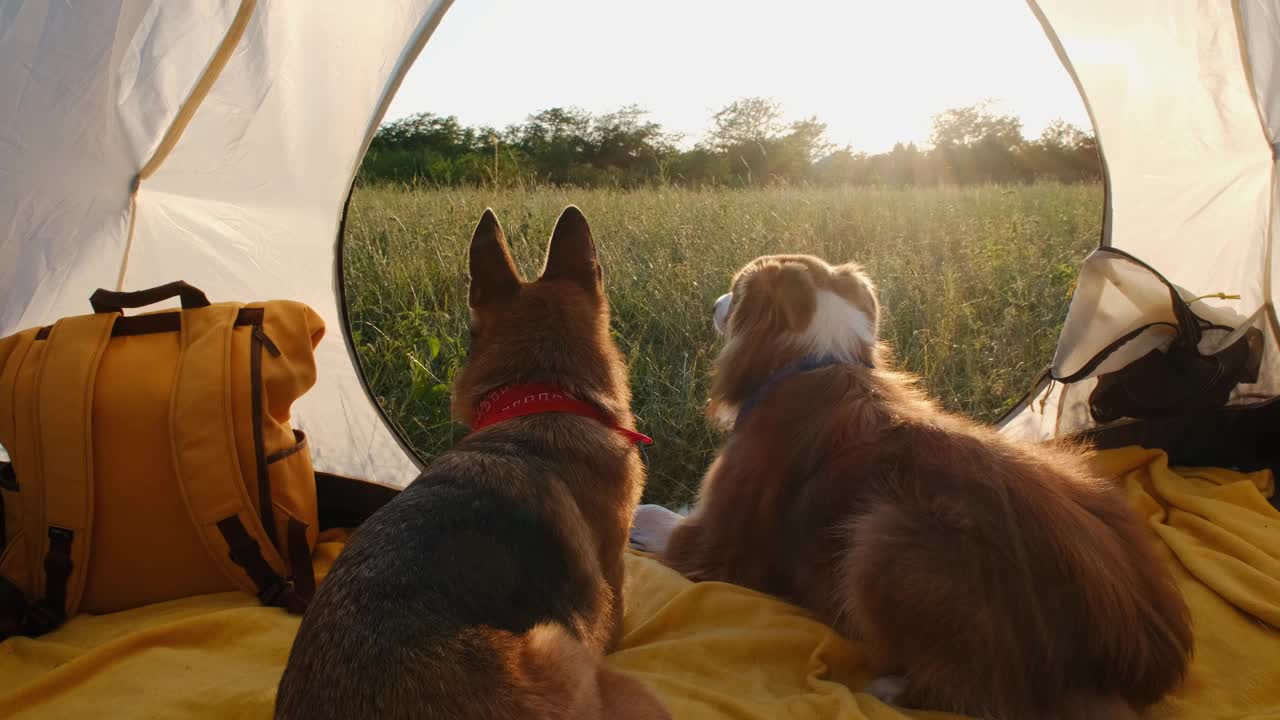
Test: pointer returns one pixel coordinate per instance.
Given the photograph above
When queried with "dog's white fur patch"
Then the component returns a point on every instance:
(887, 688)
(652, 525)
(720, 316)
(838, 328)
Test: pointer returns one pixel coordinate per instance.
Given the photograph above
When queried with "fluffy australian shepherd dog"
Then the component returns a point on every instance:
(984, 576)
(491, 587)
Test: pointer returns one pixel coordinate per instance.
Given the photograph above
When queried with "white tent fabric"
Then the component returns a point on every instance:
(214, 141)
(245, 122)
(1170, 88)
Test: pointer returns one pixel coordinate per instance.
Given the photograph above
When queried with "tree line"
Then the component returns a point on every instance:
(748, 144)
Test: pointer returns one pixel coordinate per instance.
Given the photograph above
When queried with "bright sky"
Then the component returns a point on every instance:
(874, 70)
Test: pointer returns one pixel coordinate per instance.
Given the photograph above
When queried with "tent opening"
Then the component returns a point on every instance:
(969, 185)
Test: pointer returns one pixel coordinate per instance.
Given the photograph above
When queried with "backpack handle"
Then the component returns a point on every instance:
(105, 301)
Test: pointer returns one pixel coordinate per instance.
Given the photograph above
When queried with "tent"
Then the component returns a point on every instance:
(216, 140)
(1171, 335)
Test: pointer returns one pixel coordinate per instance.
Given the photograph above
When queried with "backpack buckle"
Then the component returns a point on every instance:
(40, 619)
(281, 593)
(269, 594)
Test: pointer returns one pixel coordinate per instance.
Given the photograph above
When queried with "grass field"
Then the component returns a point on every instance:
(974, 284)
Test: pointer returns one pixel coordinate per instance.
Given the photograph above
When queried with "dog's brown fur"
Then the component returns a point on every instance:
(492, 586)
(1000, 578)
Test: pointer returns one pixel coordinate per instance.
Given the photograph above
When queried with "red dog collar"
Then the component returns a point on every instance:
(513, 401)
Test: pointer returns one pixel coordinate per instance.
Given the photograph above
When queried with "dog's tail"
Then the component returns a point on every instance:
(1144, 645)
(565, 679)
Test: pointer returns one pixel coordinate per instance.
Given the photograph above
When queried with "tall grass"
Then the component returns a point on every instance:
(974, 284)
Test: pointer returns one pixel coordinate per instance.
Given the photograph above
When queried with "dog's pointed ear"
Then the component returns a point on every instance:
(493, 274)
(794, 294)
(572, 253)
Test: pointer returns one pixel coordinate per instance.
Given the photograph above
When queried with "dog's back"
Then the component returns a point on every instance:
(457, 600)
(428, 593)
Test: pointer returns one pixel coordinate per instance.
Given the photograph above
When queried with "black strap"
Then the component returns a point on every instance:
(13, 609)
(104, 300)
(257, 341)
(17, 617)
(273, 590)
(304, 575)
(57, 569)
(8, 481)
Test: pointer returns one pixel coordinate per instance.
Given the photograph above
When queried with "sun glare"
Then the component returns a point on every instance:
(875, 72)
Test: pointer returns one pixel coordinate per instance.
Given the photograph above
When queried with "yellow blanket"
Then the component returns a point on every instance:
(709, 650)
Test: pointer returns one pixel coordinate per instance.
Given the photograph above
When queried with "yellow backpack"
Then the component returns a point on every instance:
(152, 457)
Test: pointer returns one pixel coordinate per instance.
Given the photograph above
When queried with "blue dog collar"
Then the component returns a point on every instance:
(805, 364)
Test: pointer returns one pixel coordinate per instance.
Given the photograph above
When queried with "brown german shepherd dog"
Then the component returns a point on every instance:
(984, 576)
(492, 585)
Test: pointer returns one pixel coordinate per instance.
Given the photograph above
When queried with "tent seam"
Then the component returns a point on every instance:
(217, 63)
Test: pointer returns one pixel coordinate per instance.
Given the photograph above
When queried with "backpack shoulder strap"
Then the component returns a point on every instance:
(64, 388)
(206, 464)
(17, 433)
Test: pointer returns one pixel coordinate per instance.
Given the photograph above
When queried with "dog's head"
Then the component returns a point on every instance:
(783, 308)
(553, 330)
